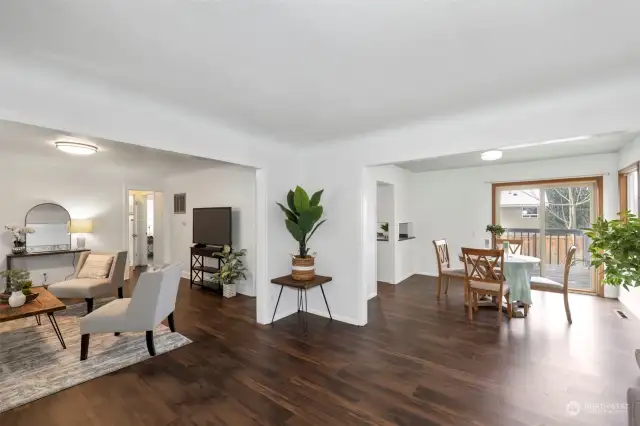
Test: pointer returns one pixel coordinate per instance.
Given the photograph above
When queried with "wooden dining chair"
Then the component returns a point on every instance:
(444, 266)
(483, 275)
(515, 245)
(550, 286)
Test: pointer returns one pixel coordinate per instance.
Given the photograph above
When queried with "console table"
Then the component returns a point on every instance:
(198, 268)
(12, 256)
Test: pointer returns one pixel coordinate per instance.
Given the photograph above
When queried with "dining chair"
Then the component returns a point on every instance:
(515, 245)
(444, 266)
(550, 286)
(482, 276)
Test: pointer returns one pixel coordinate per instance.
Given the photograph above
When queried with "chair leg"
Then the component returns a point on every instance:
(566, 308)
(509, 309)
(439, 286)
(446, 287)
(84, 347)
(120, 293)
(89, 301)
(526, 309)
(150, 346)
(172, 325)
(470, 305)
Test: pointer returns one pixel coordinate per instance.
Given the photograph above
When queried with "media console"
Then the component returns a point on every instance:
(199, 268)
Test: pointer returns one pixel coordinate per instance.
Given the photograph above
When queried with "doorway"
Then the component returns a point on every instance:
(145, 225)
(386, 233)
(550, 217)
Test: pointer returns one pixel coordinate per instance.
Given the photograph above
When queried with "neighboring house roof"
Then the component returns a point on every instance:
(517, 198)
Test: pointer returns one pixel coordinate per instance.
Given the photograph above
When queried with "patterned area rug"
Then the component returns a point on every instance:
(34, 365)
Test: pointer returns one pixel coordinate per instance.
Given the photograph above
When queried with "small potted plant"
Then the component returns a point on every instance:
(18, 285)
(19, 237)
(231, 269)
(496, 231)
(302, 221)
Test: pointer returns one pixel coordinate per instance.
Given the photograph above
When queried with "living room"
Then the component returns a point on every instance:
(299, 95)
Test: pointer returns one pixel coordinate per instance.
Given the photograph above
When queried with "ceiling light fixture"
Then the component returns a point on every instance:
(491, 155)
(76, 148)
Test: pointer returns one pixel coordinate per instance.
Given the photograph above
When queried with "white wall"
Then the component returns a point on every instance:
(460, 209)
(229, 186)
(86, 194)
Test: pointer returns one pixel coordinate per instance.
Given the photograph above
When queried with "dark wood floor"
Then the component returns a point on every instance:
(418, 362)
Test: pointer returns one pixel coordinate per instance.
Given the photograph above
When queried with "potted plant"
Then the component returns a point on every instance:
(18, 285)
(19, 237)
(496, 231)
(302, 221)
(231, 269)
(615, 244)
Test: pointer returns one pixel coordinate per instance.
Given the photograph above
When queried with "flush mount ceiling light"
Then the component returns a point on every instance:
(76, 148)
(491, 155)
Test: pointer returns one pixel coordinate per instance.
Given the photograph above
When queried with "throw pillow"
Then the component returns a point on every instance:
(96, 266)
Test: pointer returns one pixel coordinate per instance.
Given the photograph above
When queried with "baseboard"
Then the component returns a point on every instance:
(186, 275)
(281, 315)
(340, 318)
(371, 296)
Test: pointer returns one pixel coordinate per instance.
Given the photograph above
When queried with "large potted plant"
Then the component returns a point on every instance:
(302, 220)
(230, 270)
(615, 244)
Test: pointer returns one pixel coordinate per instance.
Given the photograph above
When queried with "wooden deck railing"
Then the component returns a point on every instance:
(557, 243)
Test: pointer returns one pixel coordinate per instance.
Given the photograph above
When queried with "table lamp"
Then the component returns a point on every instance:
(81, 226)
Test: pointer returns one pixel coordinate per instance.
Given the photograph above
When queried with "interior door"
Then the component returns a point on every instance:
(140, 229)
(158, 228)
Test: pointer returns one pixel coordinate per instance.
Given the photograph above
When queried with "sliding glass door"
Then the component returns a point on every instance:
(549, 218)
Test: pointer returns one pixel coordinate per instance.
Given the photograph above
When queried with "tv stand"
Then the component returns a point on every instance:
(199, 269)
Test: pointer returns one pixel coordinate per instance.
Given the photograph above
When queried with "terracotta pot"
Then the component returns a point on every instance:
(303, 268)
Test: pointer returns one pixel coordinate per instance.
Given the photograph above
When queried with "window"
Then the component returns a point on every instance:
(179, 203)
(530, 212)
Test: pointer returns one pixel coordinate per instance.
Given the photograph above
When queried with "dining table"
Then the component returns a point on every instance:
(518, 269)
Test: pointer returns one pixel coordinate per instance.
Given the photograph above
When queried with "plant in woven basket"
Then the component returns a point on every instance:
(616, 245)
(231, 267)
(17, 280)
(303, 217)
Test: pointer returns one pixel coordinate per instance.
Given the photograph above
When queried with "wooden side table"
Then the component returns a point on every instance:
(288, 281)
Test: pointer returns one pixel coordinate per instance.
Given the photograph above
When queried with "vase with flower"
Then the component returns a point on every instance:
(19, 237)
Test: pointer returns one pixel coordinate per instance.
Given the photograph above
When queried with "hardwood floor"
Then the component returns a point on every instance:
(417, 362)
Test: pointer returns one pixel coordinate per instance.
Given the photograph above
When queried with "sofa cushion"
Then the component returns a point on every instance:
(96, 266)
(82, 287)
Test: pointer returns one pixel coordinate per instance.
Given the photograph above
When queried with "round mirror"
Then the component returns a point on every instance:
(51, 225)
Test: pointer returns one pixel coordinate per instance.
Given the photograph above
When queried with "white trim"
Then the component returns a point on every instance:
(260, 282)
(281, 315)
(340, 318)
(372, 295)
(302, 268)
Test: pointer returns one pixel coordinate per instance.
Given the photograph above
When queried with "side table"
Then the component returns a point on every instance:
(288, 281)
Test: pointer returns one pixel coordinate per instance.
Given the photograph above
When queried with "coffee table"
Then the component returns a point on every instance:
(46, 303)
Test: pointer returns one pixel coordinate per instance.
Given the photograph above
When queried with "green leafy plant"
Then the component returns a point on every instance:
(385, 226)
(232, 267)
(302, 216)
(496, 230)
(17, 280)
(616, 245)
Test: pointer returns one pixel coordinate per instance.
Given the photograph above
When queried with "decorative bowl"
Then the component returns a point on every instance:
(4, 297)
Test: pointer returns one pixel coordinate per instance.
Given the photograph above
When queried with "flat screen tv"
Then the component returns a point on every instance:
(212, 226)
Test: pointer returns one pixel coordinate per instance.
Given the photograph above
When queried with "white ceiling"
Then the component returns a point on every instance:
(114, 157)
(600, 144)
(315, 70)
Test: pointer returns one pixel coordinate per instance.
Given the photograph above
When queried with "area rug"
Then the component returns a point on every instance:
(34, 365)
